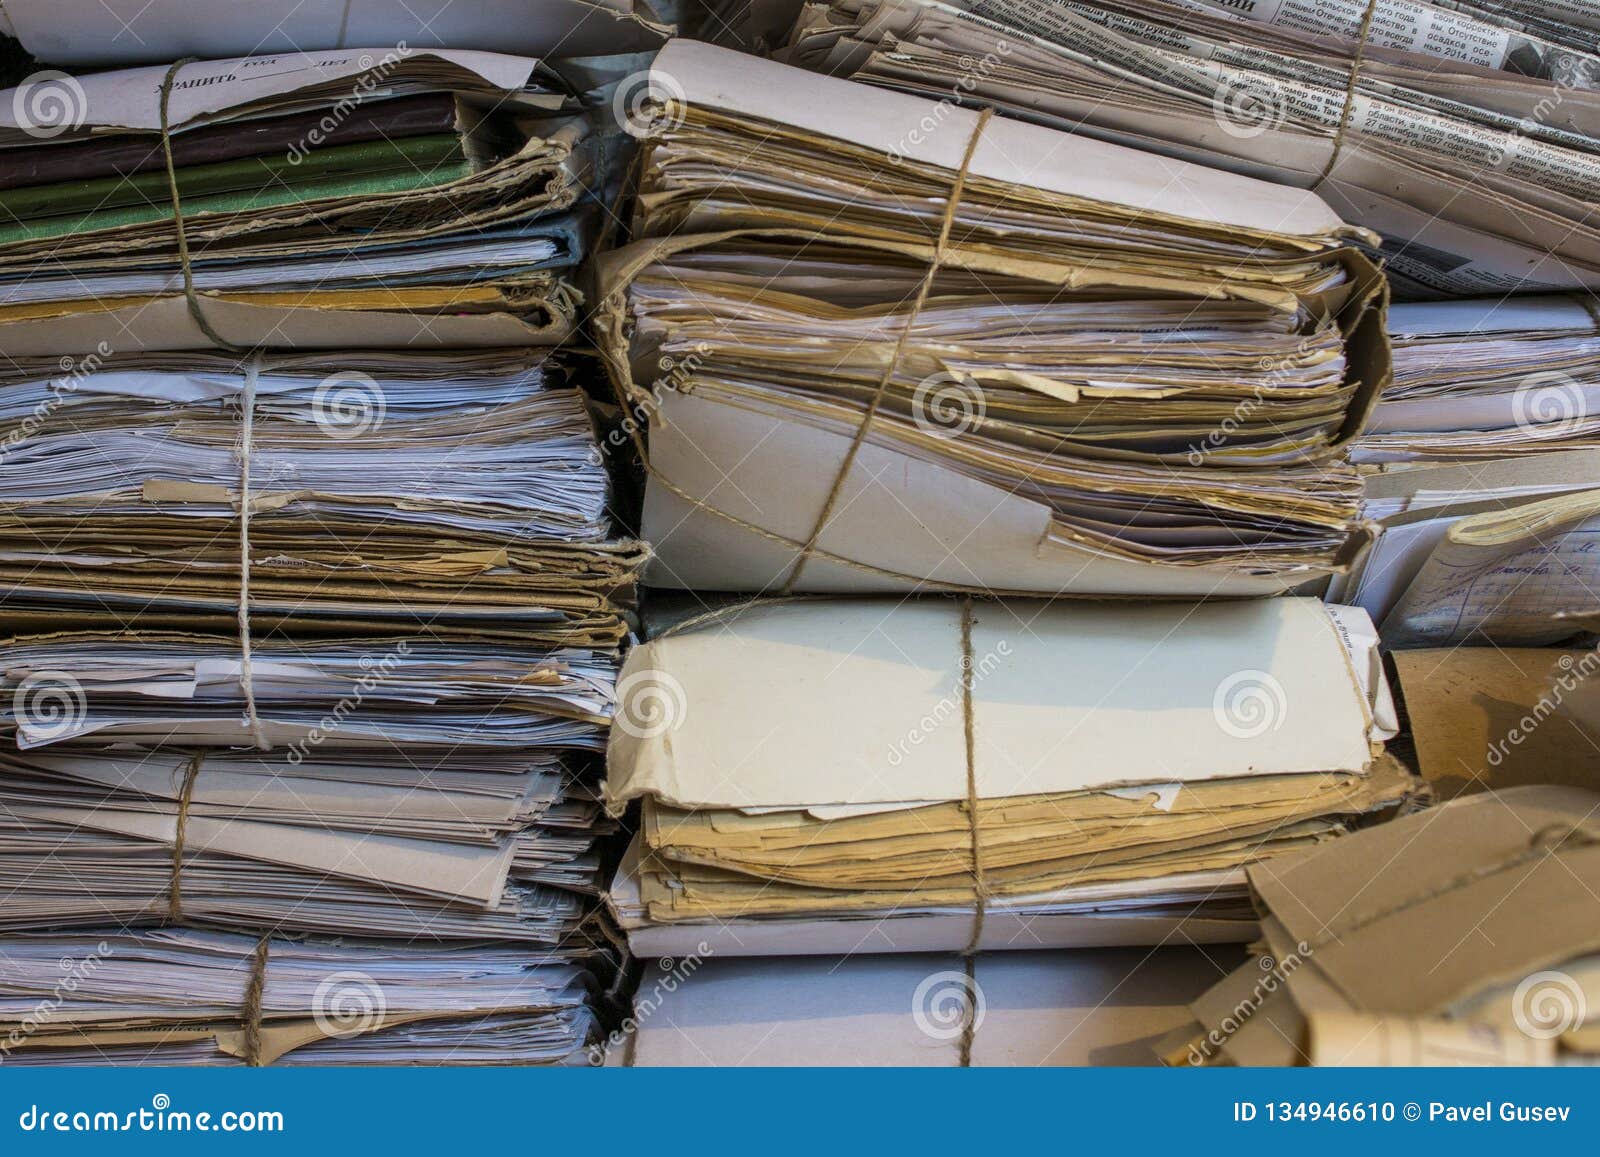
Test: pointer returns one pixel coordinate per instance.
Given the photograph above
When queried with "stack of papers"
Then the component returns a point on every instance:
(808, 769)
(310, 598)
(1084, 1007)
(1486, 379)
(459, 491)
(1464, 135)
(183, 997)
(331, 200)
(426, 532)
(1497, 553)
(1130, 375)
(381, 842)
(1467, 935)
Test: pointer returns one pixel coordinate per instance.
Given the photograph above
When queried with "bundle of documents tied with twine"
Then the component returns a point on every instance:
(188, 997)
(307, 636)
(884, 344)
(358, 197)
(1466, 134)
(838, 776)
(1467, 935)
(318, 651)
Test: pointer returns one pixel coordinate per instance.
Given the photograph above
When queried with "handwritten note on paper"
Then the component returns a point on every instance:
(1523, 589)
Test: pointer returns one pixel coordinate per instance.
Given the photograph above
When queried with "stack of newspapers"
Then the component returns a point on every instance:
(840, 776)
(311, 599)
(989, 356)
(1466, 134)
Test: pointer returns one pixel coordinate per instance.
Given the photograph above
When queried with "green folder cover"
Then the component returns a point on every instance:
(261, 182)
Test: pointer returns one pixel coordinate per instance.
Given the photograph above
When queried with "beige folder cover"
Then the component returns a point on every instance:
(803, 705)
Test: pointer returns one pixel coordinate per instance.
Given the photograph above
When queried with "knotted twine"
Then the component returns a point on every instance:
(1349, 93)
(247, 408)
(952, 205)
(825, 515)
(980, 886)
(256, 987)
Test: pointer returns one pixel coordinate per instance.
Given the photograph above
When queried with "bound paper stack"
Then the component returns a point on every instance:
(375, 197)
(387, 842)
(877, 357)
(183, 997)
(846, 776)
(311, 605)
(1468, 135)
(1465, 936)
(422, 644)
(1475, 380)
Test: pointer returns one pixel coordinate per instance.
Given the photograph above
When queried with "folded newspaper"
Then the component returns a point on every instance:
(988, 357)
(838, 776)
(1466, 134)
(1467, 935)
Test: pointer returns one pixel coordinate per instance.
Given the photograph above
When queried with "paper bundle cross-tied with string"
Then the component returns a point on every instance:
(882, 343)
(839, 776)
(1466, 134)
(360, 197)
(311, 644)
(190, 997)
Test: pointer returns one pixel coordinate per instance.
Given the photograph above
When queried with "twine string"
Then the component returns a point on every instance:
(870, 416)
